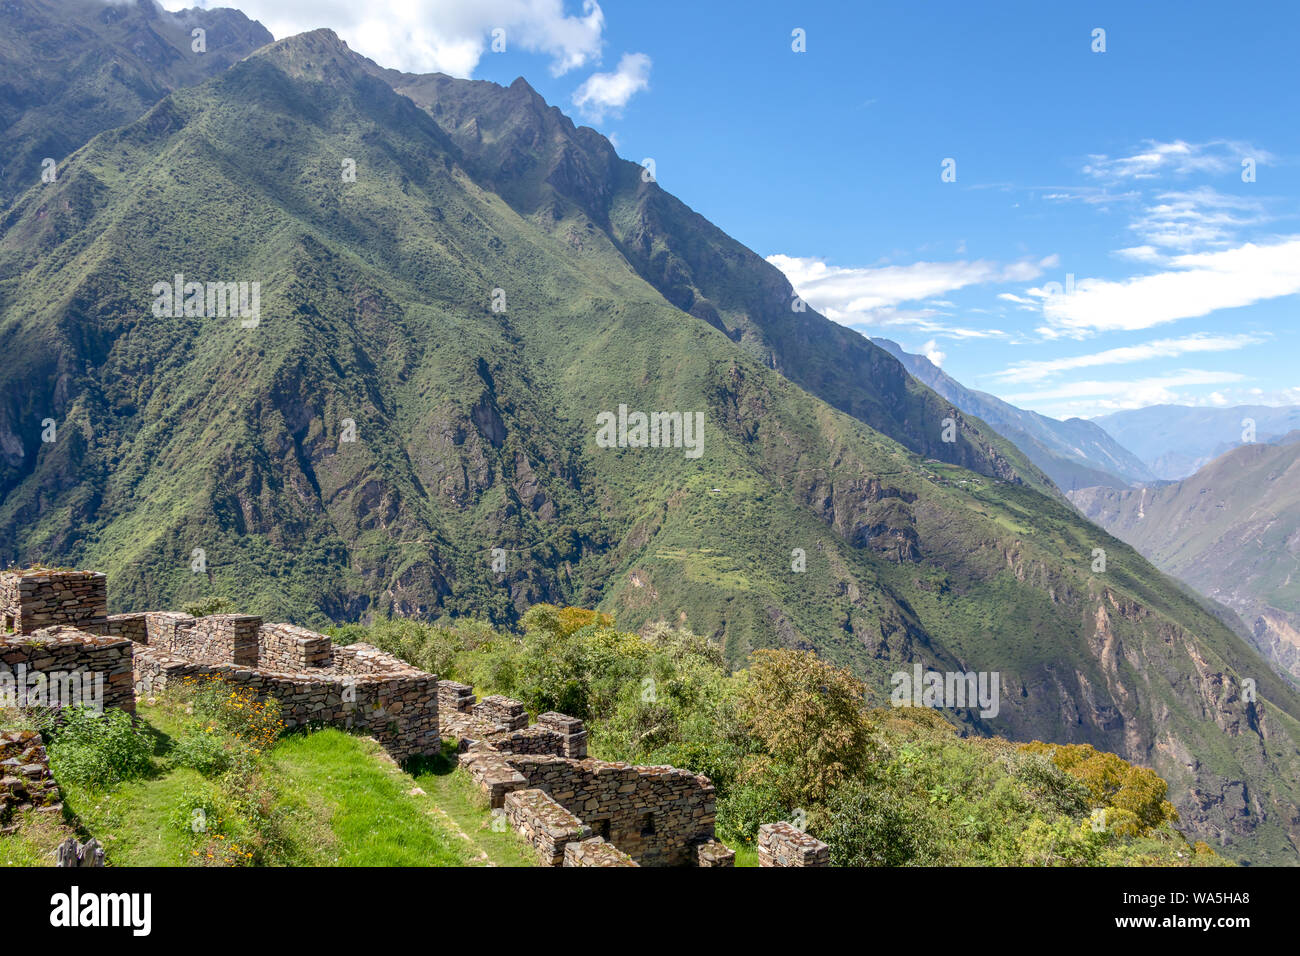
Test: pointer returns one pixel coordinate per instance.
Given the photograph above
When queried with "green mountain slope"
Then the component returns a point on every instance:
(1232, 531)
(1074, 453)
(476, 430)
(72, 68)
(551, 171)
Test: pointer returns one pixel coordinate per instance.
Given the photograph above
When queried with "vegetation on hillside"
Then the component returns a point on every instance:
(196, 458)
(793, 737)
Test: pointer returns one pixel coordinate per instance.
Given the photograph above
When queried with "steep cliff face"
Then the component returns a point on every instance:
(1231, 531)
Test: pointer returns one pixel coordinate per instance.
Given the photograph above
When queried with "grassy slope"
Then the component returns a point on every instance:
(476, 432)
(342, 800)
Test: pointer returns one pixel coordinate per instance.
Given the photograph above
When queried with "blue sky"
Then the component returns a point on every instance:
(1098, 249)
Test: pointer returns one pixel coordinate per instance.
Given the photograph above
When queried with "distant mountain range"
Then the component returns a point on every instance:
(1074, 453)
(411, 426)
(1176, 440)
(1232, 531)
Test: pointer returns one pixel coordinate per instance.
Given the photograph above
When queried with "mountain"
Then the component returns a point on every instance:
(72, 68)
(1176, 440)
(1232, 531)
(1074, 453)
(413, 425)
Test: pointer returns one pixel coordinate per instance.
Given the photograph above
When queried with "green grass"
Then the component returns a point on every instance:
(341, 788)
(456, 795)
(340, 801)
(37, 837)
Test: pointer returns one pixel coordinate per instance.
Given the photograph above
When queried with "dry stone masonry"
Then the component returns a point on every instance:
(62, 666)
(595, 852)
(544, 823)
(549, 791)
(57, 636)
(780, 844)
(36, 599)
(573, 810)
(25, 779)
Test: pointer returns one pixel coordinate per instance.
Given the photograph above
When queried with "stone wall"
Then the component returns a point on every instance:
(289, 648)
(25, 779)
(220, 639)
(780, 844)
(713, 854)
(62, 666)
(36, 599)
(491, 771)
(502, 710)
(398, 708)
(657, 815)
(454, 698)
(595, 852)
(544, 823)
(166, 630)
(134, 627)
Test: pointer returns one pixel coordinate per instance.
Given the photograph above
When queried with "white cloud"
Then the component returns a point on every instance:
(1034, 371)
(931, 351)
(870, 295)
(445, 36)
(1148, 254)
(1097, 397)
(603, 93)
(1155, 159)
(1196, 284)
(1197, 218)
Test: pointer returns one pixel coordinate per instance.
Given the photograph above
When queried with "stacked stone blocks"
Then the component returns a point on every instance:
(780, 844)
(544, 824)
(36, 599)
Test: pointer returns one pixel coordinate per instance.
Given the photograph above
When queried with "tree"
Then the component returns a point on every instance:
(810, 720)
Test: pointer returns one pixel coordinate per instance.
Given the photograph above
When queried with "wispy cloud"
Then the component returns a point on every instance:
(604, 93)
(1096, 397)
(870, 295)
(1035, 371)
(1196, 219)
(1180, 158)
(1194, 285)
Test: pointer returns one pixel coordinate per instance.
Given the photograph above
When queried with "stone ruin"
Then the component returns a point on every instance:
(573, 810)
(54, 624)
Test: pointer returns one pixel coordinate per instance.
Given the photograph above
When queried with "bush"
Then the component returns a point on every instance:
(745, 810)
(877, 826)
(98, 750)
(226, 708)
(212, 605)
(200, 749)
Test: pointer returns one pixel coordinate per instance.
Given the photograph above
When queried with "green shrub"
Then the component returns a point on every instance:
(98, 750)
(878, 826)
(746, 809)
(212, 605)
(200, 749)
